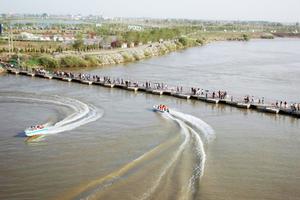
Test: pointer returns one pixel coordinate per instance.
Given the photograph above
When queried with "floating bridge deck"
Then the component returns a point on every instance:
(267, 108)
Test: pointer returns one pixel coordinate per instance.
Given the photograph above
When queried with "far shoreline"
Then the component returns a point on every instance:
(83, 69)
(113, 57)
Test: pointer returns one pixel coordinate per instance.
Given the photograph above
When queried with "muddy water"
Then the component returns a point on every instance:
(131, 152)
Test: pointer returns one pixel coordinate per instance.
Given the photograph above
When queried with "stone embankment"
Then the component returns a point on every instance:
(112, 57)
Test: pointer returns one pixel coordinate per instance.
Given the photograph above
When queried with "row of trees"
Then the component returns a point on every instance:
(151, 35)
(144, 35)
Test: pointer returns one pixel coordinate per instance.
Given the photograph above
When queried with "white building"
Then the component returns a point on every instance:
(135, 27)
(124, 45)
(28, 36)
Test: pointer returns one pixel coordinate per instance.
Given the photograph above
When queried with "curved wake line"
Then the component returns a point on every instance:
(205, 129)
(81, 113)
(194, 124)
(188, 128)
(199, 168)
(111, 177)
(187, 124)
(172, 161)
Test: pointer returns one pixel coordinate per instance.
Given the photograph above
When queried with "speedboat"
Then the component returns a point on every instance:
(35, 130)
(160, 108)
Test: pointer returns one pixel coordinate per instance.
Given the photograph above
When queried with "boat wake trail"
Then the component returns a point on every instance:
(197, 124)
(191, 127)
(79, 113)
(171, 170)
(186, 135)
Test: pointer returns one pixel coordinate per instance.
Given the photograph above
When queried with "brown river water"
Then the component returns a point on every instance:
(108, 143)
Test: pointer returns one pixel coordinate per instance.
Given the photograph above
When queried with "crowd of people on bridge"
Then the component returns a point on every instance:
(158, 86)
(201, 92)
(295, 106)
(40, 71)
(284, 104)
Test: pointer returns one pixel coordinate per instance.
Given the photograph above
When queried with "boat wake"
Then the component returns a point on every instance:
(172, 170)
(79, 113)
(191, 127)
(197, 124)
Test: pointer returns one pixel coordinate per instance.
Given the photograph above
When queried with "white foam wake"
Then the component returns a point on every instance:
(197, 124)
(80, 113)
(196, 127)
(199, 167)
(185, 132)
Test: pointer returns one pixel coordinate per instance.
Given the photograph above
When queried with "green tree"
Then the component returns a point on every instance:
(183, 41)
(246, 37)
(48, 61)
(78, 43)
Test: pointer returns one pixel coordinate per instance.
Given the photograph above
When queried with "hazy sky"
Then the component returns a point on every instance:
(271, 10)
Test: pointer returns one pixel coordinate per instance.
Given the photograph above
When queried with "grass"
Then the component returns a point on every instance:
(32, 62)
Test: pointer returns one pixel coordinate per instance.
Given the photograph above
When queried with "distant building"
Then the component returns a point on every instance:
(57, 38)
(27, 36)
(124, 45)
(92, 41)
(135, 28)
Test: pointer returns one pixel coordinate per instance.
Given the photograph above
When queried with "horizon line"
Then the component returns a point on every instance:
(153, 18)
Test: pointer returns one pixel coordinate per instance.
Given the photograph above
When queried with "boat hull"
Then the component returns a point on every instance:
(30, 133)
(155, 109)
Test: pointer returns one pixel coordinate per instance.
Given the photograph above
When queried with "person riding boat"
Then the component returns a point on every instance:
(161, 108)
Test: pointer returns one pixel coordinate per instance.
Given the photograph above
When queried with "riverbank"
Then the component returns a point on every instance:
(112, 57)
(75, 59)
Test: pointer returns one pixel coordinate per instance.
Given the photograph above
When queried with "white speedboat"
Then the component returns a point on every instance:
(160, 108)
(35, 130)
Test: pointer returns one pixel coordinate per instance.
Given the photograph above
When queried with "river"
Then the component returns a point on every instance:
(111, 145)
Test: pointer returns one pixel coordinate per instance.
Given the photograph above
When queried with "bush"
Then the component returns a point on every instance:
(2, 42)
(246, 37)
(183, 41)
(127, 57)
(48, 61)
(73, 61)
(32, 62)
(199, 41)
(92, 60)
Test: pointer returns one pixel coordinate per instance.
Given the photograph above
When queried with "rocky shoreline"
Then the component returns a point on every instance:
(105, 57)
(131, 54)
